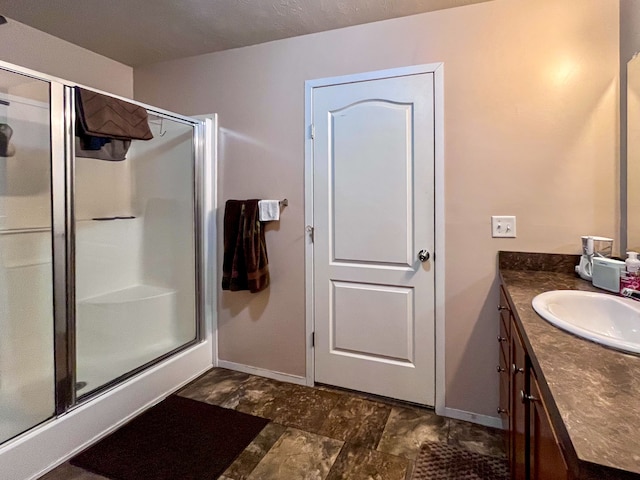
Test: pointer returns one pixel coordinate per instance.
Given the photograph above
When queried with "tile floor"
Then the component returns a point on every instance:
(323, 433)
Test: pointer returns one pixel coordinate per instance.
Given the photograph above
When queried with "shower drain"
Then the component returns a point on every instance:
(80, 385)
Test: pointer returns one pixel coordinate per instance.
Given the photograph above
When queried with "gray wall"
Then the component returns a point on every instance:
(31, 48)
(629, 45)
(531, 108)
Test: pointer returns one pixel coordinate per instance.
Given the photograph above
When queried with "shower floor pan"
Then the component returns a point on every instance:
(122, 330)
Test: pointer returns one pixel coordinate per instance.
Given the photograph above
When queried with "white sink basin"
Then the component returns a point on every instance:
(606, 319)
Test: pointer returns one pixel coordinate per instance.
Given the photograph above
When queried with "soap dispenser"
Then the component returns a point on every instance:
(631, 277)
(632, 262)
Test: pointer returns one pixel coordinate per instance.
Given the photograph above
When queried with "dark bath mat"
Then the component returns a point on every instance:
(179, 438)
(439, 461)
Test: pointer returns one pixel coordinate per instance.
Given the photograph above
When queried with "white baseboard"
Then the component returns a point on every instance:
(485, 420)
(262, 372)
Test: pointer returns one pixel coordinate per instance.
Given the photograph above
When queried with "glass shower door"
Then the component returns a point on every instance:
(27, 383)
(135, 255)
(99, 259)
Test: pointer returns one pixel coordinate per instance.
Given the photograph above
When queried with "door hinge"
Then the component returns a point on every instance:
(309, 230)
(313, 339)
(312, 131)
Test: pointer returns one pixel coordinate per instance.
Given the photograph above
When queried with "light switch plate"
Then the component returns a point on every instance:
(503, 226)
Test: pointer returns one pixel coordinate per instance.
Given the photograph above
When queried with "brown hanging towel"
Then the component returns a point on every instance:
(245, 265)
(6, 147)
(107, 117)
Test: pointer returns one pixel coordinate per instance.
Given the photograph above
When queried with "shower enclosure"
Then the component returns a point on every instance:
(134, 255)
(27, 380)
(100, 261)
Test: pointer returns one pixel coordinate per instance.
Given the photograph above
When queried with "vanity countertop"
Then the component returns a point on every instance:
(592, 392)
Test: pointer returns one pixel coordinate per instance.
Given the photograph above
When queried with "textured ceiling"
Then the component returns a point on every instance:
(137, 32)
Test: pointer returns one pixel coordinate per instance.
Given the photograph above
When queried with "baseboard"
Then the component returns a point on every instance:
(262, 372)
(486, 420)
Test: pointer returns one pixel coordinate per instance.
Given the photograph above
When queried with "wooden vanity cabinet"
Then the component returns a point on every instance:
(532, 448)
(546, 461)
(519, 429)
(504, 408)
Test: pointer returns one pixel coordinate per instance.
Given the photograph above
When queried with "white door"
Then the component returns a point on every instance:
(373, 210)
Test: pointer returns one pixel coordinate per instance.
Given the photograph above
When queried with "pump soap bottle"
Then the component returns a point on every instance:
(631, 278)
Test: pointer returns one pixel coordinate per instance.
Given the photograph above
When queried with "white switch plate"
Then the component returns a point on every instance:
(503, 226)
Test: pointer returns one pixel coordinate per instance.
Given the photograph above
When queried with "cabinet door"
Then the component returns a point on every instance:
(504, 366)
(545, 456)
(504, 407)
(518, 408)
(505, 388)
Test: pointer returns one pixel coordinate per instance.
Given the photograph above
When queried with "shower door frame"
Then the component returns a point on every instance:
(62, 122)
(72, 428)
(71, 400)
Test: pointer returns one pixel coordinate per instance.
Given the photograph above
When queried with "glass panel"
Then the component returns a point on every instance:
(135, 255)
(27, 382)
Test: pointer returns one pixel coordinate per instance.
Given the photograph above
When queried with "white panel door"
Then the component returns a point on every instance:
(373, 154)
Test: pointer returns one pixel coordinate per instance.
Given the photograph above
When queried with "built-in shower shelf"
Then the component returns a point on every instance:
(130, 294)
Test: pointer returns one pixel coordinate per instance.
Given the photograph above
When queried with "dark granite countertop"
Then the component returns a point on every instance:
(592, 392)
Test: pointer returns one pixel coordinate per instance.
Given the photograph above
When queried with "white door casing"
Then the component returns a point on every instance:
(373, 301)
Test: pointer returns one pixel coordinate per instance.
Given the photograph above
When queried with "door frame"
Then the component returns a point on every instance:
(437, 69)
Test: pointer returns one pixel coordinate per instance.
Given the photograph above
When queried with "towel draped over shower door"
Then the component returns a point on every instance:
(106, 125)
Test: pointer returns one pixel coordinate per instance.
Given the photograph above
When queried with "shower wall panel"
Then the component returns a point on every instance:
(135, 256)
(26, 174)
(163, 195)
(102, 189)
(26, 293)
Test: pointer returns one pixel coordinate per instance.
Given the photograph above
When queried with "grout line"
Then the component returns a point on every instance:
(448, 437)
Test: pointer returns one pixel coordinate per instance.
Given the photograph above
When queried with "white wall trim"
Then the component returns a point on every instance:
(375, 75)
(62, 438)
(263, 372)
(50, 78)
(210, 229)
(439, 254)
(485, 420)
(308, 221)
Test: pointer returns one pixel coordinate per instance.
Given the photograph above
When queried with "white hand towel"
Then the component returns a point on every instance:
(269, 210)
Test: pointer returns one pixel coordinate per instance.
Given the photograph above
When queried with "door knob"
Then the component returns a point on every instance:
(423, 255)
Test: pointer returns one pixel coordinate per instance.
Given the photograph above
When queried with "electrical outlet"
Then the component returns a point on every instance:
(503, 226)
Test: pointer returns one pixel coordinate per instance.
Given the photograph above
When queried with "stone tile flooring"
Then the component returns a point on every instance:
(322, 433)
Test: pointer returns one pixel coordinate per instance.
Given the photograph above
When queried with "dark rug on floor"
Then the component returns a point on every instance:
(178, 438)
(439, 461)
